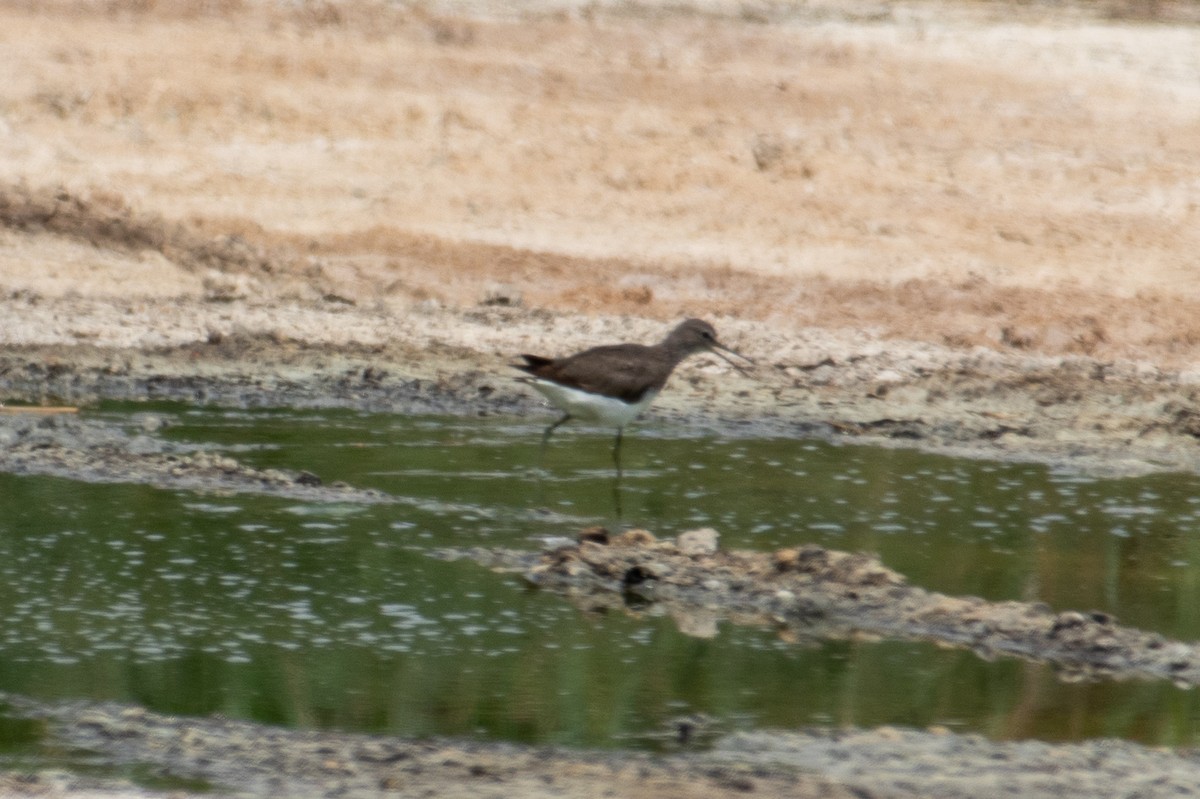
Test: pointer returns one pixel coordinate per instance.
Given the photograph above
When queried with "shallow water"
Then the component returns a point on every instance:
(319, 615)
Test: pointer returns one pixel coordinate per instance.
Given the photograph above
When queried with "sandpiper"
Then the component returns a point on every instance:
(613, 384)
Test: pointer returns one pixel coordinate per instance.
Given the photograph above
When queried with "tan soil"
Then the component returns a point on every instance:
(969, 227)
(958, 175)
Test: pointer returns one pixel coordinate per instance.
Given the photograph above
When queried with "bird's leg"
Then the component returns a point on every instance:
(541, 467)
(546, 440)
(546, 433)
(617, 480)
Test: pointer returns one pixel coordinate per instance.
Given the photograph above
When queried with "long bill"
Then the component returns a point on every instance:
(720, 349)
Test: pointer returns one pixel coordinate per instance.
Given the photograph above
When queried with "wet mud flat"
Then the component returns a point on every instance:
(252, 760)
(64, 445)
(243, 759)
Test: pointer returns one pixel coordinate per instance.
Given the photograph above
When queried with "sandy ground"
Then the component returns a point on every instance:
(966, 227)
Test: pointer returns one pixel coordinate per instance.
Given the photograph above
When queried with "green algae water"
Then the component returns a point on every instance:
(336, 616)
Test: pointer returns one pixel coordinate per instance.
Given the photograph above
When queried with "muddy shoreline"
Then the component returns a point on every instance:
(242, 759)
(1095, 416)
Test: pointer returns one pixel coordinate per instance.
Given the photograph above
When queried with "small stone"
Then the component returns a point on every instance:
(636, 575)
(635, 538)
(502, 295)
(696, 623)
(658, 569)
(142, 445)
(1067, 620)
(152, 424)
(698, 542)
(224, 287)
(786, 559)
(889, 376)
(594, 535)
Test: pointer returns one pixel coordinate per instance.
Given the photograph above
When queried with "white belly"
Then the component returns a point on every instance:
(593, 407)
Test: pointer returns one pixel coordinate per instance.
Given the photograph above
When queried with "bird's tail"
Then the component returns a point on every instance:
(532, 363)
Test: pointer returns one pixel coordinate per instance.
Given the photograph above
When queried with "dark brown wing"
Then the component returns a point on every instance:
(626, 371)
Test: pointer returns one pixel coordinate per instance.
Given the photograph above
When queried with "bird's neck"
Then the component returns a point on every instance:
(676, 352)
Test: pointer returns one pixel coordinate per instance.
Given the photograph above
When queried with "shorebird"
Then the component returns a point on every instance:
(613, 384)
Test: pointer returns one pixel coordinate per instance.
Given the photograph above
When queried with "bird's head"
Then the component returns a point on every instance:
(696, 335)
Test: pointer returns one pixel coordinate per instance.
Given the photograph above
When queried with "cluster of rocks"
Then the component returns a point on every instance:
(812, 592)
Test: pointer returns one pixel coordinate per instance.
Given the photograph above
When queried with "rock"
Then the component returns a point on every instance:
(696, 622)
(698, 542)
(595, 535)
(502, 295)
(635, 538)
(143, 445)
(151, 423)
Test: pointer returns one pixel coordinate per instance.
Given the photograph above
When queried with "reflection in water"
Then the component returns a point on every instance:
(618, 516)
(335, 615)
